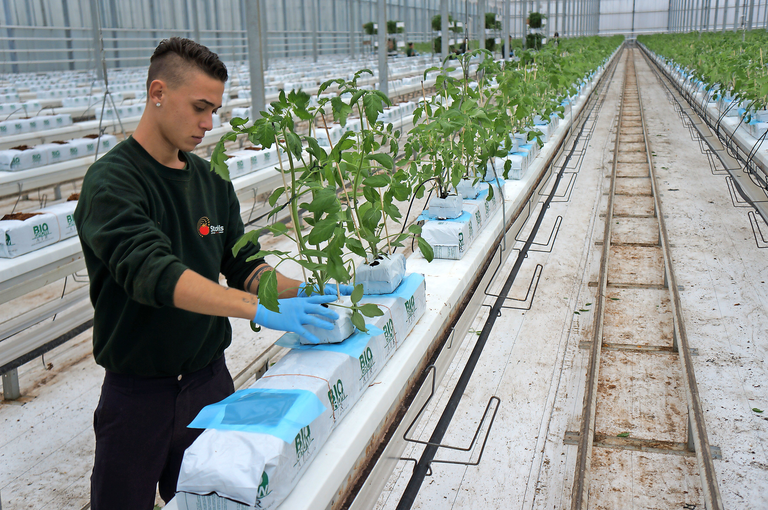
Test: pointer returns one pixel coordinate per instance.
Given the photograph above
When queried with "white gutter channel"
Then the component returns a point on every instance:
(447, 281)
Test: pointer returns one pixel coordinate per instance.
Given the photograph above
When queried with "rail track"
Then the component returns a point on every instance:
(642, 441)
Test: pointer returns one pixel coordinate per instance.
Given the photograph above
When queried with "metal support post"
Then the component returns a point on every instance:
(725, 14)
(406, 23)
(736, 17)
(263, 31)
(315, 19)
(195, 20)
(97, 47)
(751, 14)
(506, 7)
(11, 390)
(255, 60)
(444, 29)
(717, 11)
(481, 8)
(382, 35)
(351, 20)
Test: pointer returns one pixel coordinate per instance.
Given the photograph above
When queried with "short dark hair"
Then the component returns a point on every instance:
(172, 55)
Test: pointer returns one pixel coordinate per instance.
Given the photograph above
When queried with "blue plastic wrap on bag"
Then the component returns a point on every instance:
(352, 346)
(355, 344)
(281, 413)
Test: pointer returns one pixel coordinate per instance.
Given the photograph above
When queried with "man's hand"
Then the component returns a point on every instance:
(328, 290)
(297, 312)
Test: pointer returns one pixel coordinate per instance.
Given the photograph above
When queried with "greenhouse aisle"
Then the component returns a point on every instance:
(533, 362)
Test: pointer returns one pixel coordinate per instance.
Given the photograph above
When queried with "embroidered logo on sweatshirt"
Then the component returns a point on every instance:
(205, 228)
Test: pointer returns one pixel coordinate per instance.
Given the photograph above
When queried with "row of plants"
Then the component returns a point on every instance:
(351, 190)
(727, 64)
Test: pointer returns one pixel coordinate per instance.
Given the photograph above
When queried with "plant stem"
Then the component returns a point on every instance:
(386, 230)
(341, 178)
(291, 204)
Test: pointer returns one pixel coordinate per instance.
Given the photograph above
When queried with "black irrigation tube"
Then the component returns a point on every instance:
(423, 465)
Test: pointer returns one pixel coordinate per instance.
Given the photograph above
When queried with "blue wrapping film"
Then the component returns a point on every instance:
(355, 344)
(497, 183)
(352, 346)
(280, 413)
(465, 217)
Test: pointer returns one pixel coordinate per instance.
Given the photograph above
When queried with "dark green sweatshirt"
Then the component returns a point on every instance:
(141, 225)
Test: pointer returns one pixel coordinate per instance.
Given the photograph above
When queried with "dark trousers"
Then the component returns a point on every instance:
(141, 433)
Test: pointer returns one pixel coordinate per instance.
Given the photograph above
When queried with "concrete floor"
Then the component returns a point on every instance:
(532, 361)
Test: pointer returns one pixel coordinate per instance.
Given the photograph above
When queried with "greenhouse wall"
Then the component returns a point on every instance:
(48, 35)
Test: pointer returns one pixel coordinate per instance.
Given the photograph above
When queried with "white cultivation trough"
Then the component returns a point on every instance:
(448, 283)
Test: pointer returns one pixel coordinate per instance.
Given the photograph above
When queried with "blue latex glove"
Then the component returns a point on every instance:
(329, 290)
(295, 313)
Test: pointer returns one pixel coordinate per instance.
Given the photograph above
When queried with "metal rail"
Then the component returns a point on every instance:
(587, 432)
(697, 428)
(697, 435)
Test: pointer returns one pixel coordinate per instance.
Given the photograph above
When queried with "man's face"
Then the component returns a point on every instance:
(188, 109)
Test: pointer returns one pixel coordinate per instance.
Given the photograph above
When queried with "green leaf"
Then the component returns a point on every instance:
(373, 106)
(358, 321)
(355, 246)
(294, 143)
(371, 310)
(218, 161)
(384, 160)
(414, 229)
(755, 409)
(341, 110)
(377, 181)
(248, 237)
(314, 148)
(426, 249)
(324, 200)
(275, 195)
(357, 293)
(237, 121)
(623, 434)
(322, 231)
(268, 291)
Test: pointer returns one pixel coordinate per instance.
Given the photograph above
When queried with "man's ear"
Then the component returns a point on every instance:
(157, 91)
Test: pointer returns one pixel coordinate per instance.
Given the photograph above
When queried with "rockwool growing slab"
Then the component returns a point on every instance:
(449, 238)
(25, 235)
(256, 463)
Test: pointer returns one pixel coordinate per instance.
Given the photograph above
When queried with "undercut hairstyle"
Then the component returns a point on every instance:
(173, 57)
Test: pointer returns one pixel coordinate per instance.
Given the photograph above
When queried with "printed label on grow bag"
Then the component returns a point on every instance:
(28, 234)
(303, 446)
(64, 214)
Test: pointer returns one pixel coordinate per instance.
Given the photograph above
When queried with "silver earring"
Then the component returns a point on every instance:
(157, 104)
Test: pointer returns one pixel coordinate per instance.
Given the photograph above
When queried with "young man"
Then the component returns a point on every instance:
(157, 228)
